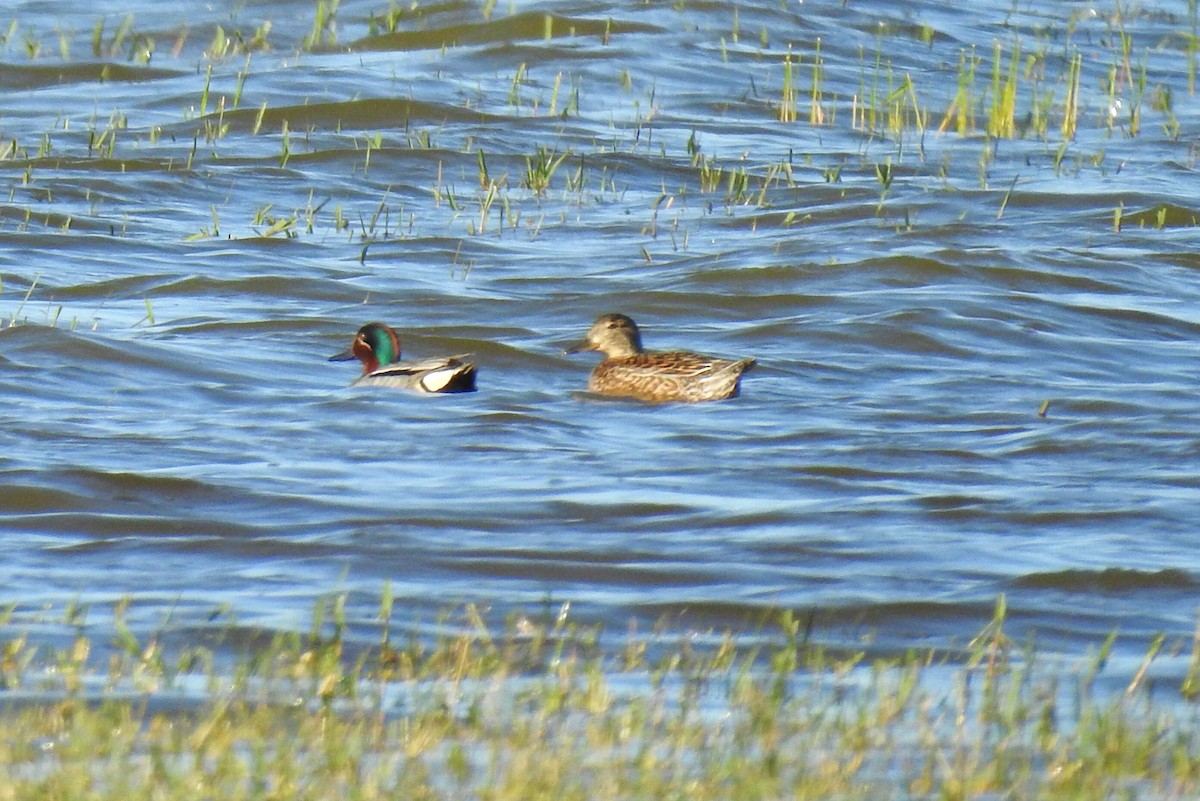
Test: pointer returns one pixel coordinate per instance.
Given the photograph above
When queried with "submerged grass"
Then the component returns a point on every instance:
(1042, 83)
(542, 709)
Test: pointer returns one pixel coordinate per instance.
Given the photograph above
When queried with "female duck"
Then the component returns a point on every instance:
(378, 348)
(629, 371)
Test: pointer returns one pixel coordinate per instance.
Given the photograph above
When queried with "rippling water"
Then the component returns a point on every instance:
(177, 269)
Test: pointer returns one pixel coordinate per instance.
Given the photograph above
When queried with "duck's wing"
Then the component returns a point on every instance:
(683, 365)
(416, 366)
(721, 380)
(669, 376)
(438, 374)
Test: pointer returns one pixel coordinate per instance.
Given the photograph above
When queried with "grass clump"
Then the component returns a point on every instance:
(540, 169)
(543, 709)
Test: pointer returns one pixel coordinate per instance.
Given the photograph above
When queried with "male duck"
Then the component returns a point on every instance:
(378, 348)
(629, 371)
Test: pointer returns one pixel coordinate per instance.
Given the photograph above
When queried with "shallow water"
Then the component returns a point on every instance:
(173, 431)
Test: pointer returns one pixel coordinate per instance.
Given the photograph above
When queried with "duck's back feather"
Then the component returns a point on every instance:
(441, 374)
(669, 376)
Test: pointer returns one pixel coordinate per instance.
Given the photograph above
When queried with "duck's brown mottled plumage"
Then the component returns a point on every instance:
(629, 371)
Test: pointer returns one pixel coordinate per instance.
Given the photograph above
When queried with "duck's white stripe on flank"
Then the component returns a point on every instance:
(437, 380)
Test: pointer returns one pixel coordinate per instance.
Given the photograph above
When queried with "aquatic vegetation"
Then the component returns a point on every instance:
(543, 707)
(99, 48)
(787, 104)
(1045, 82)
(324, 28)
(1002, 119)
(540, 169)
(1070, 119)
(285, 145)
(387, 21)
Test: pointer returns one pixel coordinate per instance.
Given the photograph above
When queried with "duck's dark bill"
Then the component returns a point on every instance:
(344, 356)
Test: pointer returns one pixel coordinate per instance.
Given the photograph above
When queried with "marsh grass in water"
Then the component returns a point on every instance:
(542, 709)
(545, 708)
(1043, 83)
